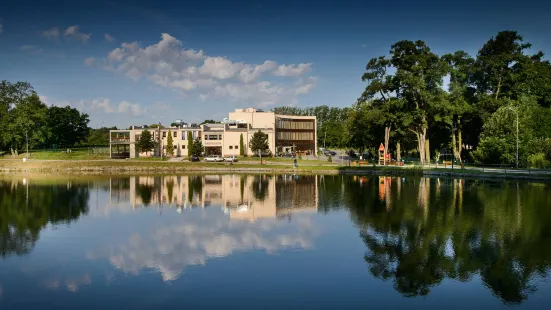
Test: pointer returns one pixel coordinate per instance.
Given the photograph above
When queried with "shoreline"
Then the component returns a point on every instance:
(113, 167)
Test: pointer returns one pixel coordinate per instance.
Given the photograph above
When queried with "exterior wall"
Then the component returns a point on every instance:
(231, 138)
(263, 121)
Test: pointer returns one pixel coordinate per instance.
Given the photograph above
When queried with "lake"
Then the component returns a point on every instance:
(273, 242)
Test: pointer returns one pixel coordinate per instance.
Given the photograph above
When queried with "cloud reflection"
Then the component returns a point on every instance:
(194, 240)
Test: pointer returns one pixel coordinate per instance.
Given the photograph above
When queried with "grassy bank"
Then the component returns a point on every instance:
(141, 166)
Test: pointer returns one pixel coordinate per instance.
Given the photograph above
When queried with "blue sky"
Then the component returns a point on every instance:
(141, 62)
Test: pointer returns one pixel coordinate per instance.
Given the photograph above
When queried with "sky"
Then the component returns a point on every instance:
(142, 62)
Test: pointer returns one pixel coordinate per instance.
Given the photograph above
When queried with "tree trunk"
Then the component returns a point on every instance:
(498, 87)
(421, 145)
(398, 155)
(427, 150)
(387, 137)
(457, 142)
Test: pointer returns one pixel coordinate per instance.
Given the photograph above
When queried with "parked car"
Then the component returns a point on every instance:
(232, 159)
(329, 153)
(214, 158)
(194, 158)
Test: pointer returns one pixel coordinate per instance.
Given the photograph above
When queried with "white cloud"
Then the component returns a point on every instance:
(109, 37)
(293, 70)
(169, 64)
(101, 104)
(31, 49)
(89, 61)
(133, 108)
(52, 33)
(73, 32)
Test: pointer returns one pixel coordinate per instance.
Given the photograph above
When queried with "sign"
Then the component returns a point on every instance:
(382, 147)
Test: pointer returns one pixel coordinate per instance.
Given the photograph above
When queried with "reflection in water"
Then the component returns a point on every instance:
(194, 239)
(436, 229)
(415, 232)
(26, 208)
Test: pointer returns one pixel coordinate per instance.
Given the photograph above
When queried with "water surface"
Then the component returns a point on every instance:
(273, 242)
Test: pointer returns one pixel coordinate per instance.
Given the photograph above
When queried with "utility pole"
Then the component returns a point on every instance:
(27, 140)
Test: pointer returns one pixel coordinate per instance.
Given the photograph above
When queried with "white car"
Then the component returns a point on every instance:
(214, 158)
(231, 158)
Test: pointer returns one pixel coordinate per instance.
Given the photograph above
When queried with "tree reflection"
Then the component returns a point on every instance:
(259, 187)
(27, 209)
(438, 229)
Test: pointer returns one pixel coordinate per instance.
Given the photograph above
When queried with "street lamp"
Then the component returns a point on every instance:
(516, 112)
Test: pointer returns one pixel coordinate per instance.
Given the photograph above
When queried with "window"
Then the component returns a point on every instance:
(183, 147)
(231, 147)
(175, 134)
(164, 134)
(184, 135)
(206, 137)
(175, 147)
(220, 137)
(237, 147)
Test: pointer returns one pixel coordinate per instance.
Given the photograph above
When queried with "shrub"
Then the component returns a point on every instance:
(538, 160)
(329, 159)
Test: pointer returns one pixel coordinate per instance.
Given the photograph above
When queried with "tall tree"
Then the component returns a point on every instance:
(259, 142)
(145, 143)
(11, 94)
(169, 144)
(189, 143)
(67, 126)
(241, 146)
(459, 96)
(27, 119)
(418, 82)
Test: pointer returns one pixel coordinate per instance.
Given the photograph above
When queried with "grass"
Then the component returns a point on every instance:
(59, 155)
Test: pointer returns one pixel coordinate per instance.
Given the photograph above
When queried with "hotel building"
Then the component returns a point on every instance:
(286, 134)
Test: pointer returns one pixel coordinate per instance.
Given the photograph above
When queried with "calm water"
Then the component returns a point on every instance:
(234, 241)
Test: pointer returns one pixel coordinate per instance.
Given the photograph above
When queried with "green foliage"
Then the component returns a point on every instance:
(538, 160)
(330, 159)
(145, 144)
(67, 126)
(189, 143)
(210, 121)
(241, 146)
(99, 136)
(259, 142)
(197, 148)
(169, 144)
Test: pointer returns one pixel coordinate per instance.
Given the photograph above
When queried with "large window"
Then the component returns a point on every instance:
(295, 136)
(184, 134)
(295, 124)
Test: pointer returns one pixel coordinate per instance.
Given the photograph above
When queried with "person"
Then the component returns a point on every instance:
(296, 162)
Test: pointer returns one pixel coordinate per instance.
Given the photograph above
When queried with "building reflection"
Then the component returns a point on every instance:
(242, 197)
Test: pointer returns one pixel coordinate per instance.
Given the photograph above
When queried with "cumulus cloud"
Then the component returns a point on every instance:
(105, 106)
(109, 37)
(292, 70)
(169, 64)
(73, 32)
(52, 33)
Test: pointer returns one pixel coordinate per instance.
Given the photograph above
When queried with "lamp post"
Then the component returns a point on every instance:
(516, 112)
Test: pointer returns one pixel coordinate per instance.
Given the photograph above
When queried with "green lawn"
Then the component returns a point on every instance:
(59, 155)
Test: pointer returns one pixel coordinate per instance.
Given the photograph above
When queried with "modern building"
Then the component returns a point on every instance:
(286, 134)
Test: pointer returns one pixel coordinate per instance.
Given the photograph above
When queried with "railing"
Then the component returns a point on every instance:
(120, 140)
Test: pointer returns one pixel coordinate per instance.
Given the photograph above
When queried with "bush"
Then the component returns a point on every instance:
(329, 159)
(538, 161)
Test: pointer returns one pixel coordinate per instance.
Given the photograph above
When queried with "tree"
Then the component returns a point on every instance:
(197, 148)
(259, 142)
(189, 143)
(99, 136)
(11, 95)
(27, 119)
(169, 144)
(146, 143)
(210, 121)
(241, 146)
(67, 126)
